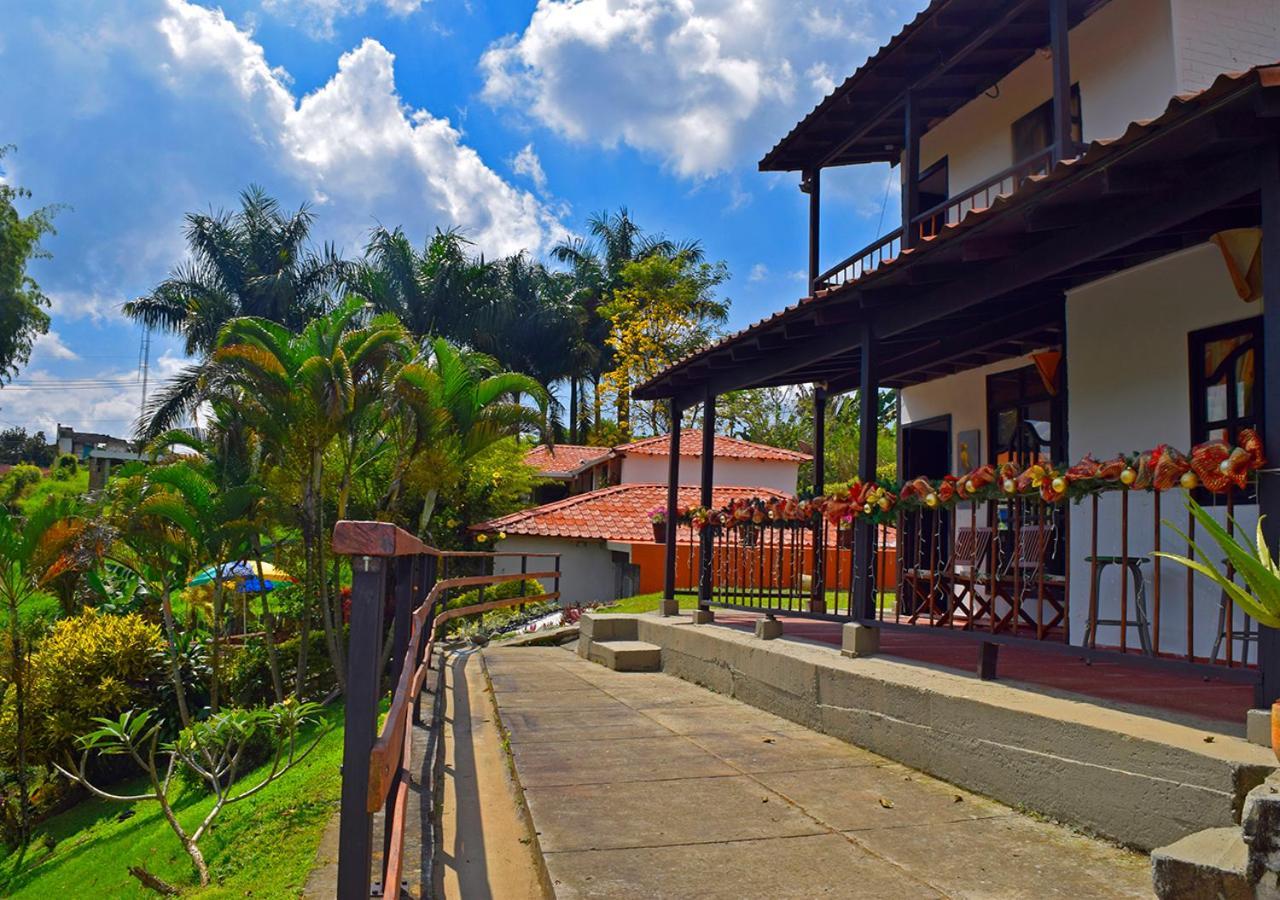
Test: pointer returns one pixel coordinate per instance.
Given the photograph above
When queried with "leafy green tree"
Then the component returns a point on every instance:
(665, 309)
(18, 446)
(596, 264)
(22, 304)
(30, 550)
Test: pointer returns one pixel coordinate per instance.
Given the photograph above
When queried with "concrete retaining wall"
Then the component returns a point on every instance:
(1141, 781)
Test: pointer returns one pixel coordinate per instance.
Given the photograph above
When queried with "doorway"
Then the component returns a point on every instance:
(924, 540)
(932, 191)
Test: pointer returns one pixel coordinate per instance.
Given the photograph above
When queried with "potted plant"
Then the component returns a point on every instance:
(1253, 562)
(658, 518)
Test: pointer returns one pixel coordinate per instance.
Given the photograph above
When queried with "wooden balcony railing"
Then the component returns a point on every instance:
(865, 260)
(930, 222)
(982, 195)
(393, 569)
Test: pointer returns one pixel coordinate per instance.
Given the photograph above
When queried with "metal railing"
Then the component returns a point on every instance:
(393, 569)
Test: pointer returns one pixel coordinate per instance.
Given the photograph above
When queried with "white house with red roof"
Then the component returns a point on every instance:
(602, 529)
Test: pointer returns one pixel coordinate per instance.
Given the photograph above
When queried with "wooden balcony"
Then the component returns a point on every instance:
(929, 223)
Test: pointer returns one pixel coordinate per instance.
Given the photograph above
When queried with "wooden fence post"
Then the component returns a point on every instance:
(355, 830)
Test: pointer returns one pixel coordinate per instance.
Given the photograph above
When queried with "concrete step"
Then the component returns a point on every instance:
(627, 656)
(1210, 863)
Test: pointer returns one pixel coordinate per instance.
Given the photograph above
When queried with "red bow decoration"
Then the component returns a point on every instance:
(1169, 469)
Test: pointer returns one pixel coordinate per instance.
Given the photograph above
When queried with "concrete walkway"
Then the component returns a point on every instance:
(642, 785)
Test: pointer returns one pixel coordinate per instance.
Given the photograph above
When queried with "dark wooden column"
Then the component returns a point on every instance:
(819, 595)
(1063, 145)
(1269, 481)
(811, 184)
(706, 498)
(910, 166)
(364, 664)
(669, 605)
(864, 536)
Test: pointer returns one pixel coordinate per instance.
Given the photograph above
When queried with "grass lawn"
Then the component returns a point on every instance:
(261, 847)
(51, 487)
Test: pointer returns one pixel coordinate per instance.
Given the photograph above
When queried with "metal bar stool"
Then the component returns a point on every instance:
(1143, 621)
(1246, 637)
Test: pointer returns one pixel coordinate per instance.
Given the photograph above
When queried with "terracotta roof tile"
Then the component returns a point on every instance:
(725, 448)
(564, 460)
(619, 513)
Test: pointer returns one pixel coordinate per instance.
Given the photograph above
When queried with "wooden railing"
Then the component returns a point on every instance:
(982, 195)
(865, 260)
(1004, 571)
(930, 222)
(393, 568)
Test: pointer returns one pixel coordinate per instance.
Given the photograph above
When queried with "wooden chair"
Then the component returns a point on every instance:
(965, 581)
(1025, 584)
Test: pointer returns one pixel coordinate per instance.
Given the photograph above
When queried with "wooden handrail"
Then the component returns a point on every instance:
(378, 551)
(382, 759)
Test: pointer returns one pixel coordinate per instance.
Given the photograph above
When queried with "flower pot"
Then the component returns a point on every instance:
(659, 532)
(1275, 729)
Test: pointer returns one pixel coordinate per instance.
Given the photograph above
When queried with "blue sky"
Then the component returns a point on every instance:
(513, 121)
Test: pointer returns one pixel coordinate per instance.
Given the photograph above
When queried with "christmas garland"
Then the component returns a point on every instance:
(1215, 465)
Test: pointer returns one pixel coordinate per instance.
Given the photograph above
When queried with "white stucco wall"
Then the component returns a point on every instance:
(779, 475)
(963, 396)
(586, 567)
(1128, 390)
(1122, 57)
(1215, 36)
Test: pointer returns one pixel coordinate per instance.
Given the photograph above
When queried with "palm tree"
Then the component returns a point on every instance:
(32, 550)
(596, 264)
(254, 262)
(453, 404)
(297, 390)
(432, 292)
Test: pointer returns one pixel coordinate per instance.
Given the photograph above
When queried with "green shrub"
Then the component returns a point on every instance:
(503, 591)
(17, 482)
(248, 673)
(66, 467)
(93, 664)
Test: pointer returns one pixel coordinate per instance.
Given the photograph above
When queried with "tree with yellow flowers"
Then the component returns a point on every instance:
(665, 309)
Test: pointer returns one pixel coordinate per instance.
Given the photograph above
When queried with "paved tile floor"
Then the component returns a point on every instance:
(643, 785)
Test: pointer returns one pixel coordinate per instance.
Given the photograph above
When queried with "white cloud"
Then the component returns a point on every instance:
(701, 84)
(50, 345)
(107, 400)
(318, 16)
(759, 272)
(165, 107)
(526, 163)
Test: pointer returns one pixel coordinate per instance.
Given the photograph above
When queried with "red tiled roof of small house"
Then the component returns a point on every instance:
(619, 513)
(725, 448)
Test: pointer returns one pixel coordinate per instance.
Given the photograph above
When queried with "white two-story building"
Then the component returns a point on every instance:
(1090, 222)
